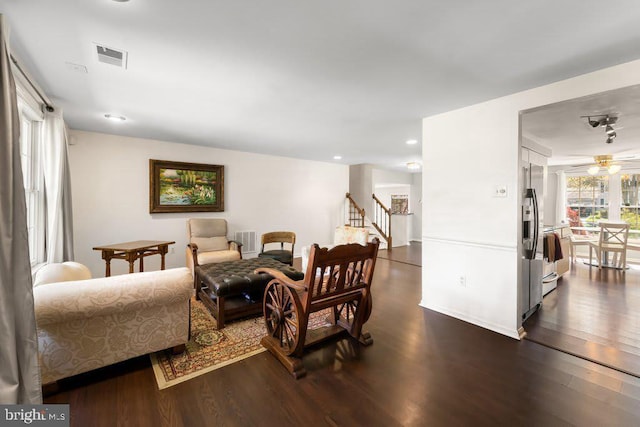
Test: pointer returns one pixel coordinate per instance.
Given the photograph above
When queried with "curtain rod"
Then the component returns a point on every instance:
(48, 106)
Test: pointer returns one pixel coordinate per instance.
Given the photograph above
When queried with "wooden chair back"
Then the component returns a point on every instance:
(336, 274)
(614, 235)
(281, 237)
(338, 279)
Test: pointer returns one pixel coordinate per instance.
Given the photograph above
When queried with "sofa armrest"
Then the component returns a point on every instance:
(67, 301)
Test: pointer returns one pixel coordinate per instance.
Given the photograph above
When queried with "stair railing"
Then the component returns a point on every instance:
(382, 220)
(356, 214)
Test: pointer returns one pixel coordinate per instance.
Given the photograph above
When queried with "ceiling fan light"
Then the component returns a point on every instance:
(610, 138)
(593, 170)
(609, 130)
(614, 169)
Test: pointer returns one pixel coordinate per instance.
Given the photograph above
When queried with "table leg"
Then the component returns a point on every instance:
(106, 256)
(163, 249)
(141, 262)
(131, 257)
(220, 312)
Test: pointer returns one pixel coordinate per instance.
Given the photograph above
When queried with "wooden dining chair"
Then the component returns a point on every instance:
(613, 238)
(282, 254)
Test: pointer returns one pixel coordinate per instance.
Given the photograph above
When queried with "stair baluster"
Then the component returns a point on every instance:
(356, 214)
(382, 221)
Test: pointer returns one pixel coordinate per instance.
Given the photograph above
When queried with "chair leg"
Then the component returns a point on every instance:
(572, 255)
(590, 256)
(600, 256)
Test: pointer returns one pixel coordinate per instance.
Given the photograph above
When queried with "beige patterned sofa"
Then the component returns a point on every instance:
(87, 324)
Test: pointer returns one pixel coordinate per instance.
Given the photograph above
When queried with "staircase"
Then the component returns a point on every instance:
(382, 220)
(356, 217)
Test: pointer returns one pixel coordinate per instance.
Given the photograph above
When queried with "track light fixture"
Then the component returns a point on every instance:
(606, 121)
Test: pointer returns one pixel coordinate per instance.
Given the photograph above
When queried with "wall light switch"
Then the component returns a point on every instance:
(500, 191)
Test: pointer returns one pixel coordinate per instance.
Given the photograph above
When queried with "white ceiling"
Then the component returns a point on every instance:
(307, 79)
(563, 128)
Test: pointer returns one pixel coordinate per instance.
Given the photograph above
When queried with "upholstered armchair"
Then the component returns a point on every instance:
(208, 236)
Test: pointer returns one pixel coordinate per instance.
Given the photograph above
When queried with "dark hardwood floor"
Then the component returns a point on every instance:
(410, 254)
(424, 368)
(594, 314)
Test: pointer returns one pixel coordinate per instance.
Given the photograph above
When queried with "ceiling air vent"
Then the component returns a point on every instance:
(112, 56)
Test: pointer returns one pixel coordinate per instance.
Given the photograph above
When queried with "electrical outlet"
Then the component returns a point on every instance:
(172, 250)
(462, 280)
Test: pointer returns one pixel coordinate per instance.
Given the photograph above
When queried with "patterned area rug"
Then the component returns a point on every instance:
(210, 349)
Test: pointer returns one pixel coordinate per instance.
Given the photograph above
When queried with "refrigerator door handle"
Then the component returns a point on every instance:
(536, 225)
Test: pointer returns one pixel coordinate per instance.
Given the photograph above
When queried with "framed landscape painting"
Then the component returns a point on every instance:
(185, 187)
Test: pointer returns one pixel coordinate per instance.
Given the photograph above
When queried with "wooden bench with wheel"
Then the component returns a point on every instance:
(337, 278)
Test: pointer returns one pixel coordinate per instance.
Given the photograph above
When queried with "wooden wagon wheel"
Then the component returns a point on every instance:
(282, 310)
(348, 310)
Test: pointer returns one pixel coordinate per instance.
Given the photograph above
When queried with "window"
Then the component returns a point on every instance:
(587, 199)
(630, 209)
(30, 149)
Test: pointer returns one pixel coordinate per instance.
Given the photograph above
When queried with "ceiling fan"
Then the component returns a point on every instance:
(605, 162)
(608, 163)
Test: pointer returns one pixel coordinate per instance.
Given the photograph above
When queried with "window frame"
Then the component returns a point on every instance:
(636, 207)
(31, 158)
(595, 207)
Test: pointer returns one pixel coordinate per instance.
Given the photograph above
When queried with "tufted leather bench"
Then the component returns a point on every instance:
(231, 289)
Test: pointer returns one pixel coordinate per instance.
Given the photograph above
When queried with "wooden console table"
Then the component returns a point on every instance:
(131, 251)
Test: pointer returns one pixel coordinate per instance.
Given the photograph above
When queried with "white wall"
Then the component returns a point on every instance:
(387, 177)
(550, 197)
(110, 187)
(416, 207)
(468, 232)
(361, 185)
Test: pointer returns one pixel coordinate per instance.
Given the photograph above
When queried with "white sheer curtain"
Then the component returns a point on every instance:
(59, 235)
(19, 372)
(561, 198)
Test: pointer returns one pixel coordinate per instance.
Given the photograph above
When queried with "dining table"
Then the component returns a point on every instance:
(596, 230)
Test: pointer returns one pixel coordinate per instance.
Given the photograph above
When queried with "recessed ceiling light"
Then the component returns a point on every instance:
(412, 141)
(121, 1)
(115, 117)
(337, 157)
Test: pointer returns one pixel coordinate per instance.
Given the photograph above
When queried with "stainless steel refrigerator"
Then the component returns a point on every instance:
(533, 184)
